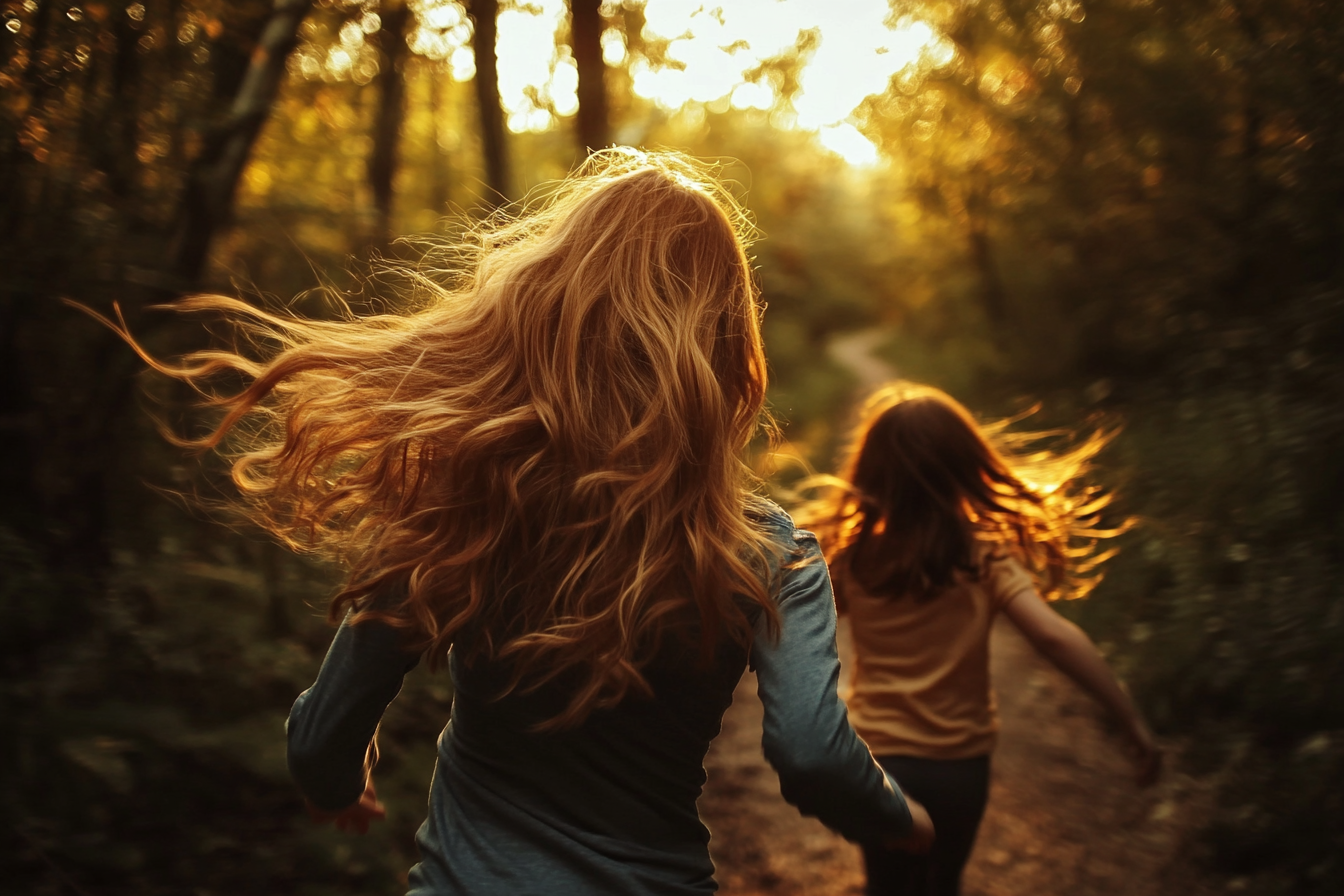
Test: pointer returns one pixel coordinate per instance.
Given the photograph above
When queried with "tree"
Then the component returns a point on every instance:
(214, 176)
(485, 14)
(396, 20)
(586, 25)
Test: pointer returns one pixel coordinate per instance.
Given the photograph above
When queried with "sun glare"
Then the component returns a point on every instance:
(711, 49)
(536, 75)
(713, 57)
(846, 141)
(855, 54)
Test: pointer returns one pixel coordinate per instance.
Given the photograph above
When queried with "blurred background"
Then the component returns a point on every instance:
(1129, 211)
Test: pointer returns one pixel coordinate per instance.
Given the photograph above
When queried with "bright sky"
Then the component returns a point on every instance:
(858, 50)
(857, 54)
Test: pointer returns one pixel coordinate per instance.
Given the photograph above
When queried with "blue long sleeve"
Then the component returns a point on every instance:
(333, 722)
(824, 768)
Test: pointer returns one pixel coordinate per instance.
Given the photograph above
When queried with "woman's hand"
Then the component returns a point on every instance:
(920, 838)
(353, 818)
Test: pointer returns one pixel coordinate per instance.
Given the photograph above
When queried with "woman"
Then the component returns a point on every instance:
(537, 478)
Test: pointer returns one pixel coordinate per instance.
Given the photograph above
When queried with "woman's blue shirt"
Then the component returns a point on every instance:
(610, 805)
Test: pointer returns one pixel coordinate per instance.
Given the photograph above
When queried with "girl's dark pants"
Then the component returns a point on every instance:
(954, 791)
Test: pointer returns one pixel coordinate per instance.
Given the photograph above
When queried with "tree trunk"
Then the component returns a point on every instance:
(213, 178)
(593, 120)
(38, 45)
(1254, 198)
(991, 284)
(485, 13)
(391, 112)
(31, 82)
(438, 172)
(117, 151)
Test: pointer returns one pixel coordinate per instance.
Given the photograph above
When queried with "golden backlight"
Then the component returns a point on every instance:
(711, 55)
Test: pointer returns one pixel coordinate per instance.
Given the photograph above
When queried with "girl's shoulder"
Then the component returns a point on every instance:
(1003, 571)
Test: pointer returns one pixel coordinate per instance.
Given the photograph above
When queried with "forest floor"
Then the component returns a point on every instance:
(1064, 814)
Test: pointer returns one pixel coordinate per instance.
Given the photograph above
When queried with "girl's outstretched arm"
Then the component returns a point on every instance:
(1072, 652)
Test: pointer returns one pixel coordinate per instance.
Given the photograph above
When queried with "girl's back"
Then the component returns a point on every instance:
(920, 684)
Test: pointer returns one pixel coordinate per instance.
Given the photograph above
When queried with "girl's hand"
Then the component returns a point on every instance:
(920, 838)
(1072, 652)
(1145, 754)
(353, 818)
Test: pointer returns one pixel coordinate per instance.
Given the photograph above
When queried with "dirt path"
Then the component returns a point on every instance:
(1063, 817)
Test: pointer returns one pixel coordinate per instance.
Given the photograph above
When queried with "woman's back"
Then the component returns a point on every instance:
(608, 805)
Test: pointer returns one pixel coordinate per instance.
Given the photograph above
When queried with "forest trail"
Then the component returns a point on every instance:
(1064, 815)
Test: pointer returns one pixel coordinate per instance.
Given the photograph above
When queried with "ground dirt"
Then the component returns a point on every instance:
(1064, 815)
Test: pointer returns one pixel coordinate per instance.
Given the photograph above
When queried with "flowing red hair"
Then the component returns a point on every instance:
(543, 464)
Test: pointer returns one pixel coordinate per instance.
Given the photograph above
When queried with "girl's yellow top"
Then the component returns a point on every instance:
(920, 683)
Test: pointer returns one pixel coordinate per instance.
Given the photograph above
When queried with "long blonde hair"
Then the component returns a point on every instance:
(544, 461)
(923, 484)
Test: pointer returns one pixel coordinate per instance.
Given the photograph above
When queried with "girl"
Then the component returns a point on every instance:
(937, 526)
(536, 479)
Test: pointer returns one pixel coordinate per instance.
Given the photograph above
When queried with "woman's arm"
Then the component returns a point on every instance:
(1072, 652)
(332, 725)
(839, 573)
(824, 768)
